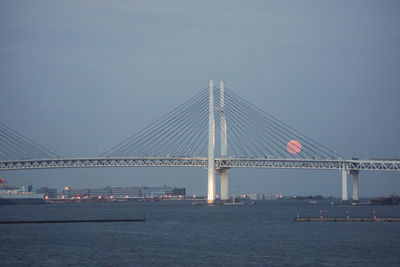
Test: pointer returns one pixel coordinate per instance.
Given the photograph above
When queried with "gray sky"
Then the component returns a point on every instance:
(79, 77)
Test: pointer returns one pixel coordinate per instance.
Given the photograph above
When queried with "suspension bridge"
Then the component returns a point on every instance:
(216, 129)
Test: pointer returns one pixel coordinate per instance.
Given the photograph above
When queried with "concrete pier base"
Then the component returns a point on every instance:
(224, 185)
(344, 185)
(355, 173)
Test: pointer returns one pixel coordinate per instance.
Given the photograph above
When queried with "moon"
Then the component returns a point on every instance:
(294, 147)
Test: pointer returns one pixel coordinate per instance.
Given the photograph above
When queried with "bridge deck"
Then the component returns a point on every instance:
(322, 164)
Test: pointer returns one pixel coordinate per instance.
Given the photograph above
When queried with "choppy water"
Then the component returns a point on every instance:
(179, 233)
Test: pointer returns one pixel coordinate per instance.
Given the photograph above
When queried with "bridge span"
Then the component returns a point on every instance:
(220, 163)
(345, 166)
(246, 137)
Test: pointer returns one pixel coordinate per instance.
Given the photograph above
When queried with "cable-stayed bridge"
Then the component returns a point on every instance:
(244, 135)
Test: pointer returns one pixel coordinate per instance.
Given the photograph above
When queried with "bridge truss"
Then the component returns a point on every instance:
(320, 164)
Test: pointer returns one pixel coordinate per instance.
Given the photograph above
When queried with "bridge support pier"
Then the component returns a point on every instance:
(224, 185)
(344, 184)
(355, 173)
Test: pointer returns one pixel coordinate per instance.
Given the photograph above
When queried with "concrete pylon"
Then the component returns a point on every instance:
(344, 184)
(355, 173)
(224, 144)
(224, 139)
(211, 147)
(224, 185)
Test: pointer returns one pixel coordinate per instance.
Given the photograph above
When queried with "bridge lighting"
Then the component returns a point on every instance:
(294, 147)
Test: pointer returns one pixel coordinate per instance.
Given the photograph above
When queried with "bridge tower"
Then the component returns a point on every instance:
(211, 147)
(224, 144)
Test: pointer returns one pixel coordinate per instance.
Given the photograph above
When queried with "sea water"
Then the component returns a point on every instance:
(182, 234)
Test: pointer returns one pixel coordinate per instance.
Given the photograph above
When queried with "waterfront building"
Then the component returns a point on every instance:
(178, 191)
(49, 192)
(123, 192)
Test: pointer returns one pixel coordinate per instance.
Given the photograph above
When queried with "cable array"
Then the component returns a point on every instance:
(251, 133)
(181, 132)
(254, 133)
(15, 146)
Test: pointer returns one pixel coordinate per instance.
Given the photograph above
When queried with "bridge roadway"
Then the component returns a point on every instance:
(275, 163)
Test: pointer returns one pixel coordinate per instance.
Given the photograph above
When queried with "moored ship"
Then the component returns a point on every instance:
(11, 195)
(393, 200)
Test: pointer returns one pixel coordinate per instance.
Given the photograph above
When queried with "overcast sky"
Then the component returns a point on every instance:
(78, 77)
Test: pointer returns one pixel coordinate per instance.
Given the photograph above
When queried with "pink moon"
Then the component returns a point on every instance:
(294, 146)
